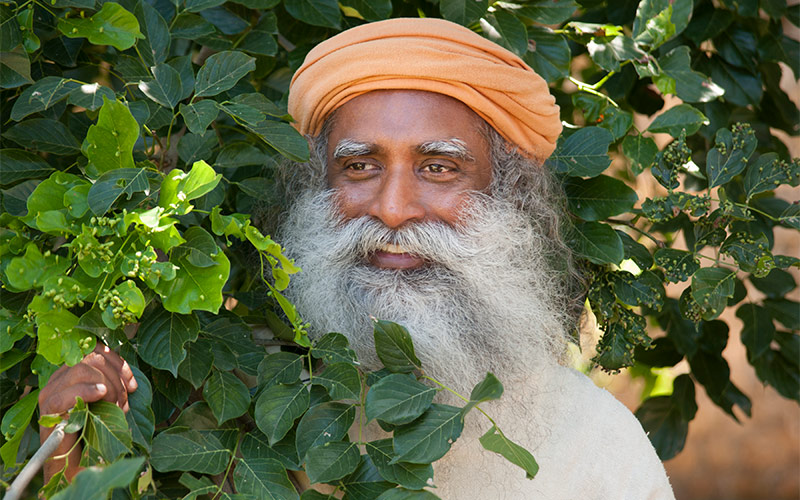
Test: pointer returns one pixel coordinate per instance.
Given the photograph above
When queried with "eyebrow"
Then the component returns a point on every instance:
(348, 147)
(453, 148)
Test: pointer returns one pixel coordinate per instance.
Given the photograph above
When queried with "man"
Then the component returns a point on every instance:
(426, 203)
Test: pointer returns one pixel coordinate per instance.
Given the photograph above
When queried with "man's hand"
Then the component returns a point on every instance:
(101, 375)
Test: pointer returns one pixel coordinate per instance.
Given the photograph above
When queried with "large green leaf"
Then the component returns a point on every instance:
(394, 347)
(183, 449)
(161, 338)
(221, 71)
(95, 483)
(140, 417)
(599, 198)
(413, 476)
(365, 483)
(582, 154)
(279, 368)
(641, 151)
(227, 396)
(15, 69)
(398, 399)
(729, 156)
(496, 441)
(107, 430)
(43, 134)
(463, 12)
(609, 54)
(548, 53)
(341, 380)
(758, 331)
(109, 143)
(323, 13)
(429, 437)
(154, 47)
(331, 461)
(763, 174)
(506, 30)
(198, 116)
(165, 88)
(278, 407)
(690, 85)
(283, 137)
(41, 96)
(711, 287)
(19, 164)
(324, 423)
(371, 10)
(114, 183)
(113, 25)
(544, 11)
(597, 242)
(195, 287)
(678, 118)
(263, 478)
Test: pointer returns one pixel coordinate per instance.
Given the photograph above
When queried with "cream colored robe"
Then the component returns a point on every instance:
(587, 444)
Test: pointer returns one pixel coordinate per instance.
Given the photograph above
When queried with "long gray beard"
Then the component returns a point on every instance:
(484, 301)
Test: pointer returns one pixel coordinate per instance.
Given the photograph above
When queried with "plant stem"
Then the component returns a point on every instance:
(36, 462)
(228, 469)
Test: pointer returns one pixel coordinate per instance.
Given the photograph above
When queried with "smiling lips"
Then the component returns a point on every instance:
(391, 256)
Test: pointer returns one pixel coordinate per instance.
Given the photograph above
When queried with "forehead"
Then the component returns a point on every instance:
(408, 118)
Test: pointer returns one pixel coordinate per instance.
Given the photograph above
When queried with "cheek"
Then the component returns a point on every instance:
(351, 202)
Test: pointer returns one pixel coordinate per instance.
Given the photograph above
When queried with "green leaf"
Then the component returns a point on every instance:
(10, 34)
(190, 26)
(113, 184)
(15, 69)
(776, 284)
(19, 164)
(165, 88)
(107, 430)
(544, 11)
(641, 151)
(487, 389)
(323, 13)
(659, 20)
(609, 54)
(331, 461)
(645, 289)
(227, 396)
(109, 143)
(198, 116)
(597, 242)
(90, 96)
(598, 198)
(141, 420)
(582, 154)
(17, 418)
(324, 423)
(341, 380)
(113, 25)
(256, 445)
(182, 449)
(263, 478)
(690, 85)
(333, 348)
(413, 476)
(178, 187)
(283, 137)
(729, 156)
(664, 424)
(428, 438)
(161, 338)
(548, 53)
(711, 287)
(463, 12)
(221, 71)
(678, 264)
(750, 252)
(32, 269)
(41, 96)
(758, 331)
(678, 118)
(278, 407)
(194, 287)
(494, 440)
(616, 121)
(371, 10)
(196, 366)
(394, 347)
(768, 172)
(260, 39)
(154, 47)
(398, 399)
(741, 87)
(279, 368)
(365, 483)
(95, 483)
(506, 30)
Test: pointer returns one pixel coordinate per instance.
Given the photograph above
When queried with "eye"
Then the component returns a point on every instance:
(438, 168)
(360, 166)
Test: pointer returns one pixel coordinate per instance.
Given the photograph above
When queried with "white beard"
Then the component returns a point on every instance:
(485, 300)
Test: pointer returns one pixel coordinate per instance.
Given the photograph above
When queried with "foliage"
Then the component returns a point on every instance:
(138, 134)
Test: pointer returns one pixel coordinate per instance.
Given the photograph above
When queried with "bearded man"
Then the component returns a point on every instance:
(426, 203)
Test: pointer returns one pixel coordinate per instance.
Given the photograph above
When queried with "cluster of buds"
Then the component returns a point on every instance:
(111, 299)
(61, 298)
(139, 263)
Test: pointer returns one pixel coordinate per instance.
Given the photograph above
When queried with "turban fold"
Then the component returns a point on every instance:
(433, 55)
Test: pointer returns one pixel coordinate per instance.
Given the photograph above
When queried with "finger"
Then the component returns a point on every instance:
(120, 365)
(117, 392)
(62, 401)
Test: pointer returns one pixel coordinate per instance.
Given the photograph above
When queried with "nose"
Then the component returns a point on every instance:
(398, 200)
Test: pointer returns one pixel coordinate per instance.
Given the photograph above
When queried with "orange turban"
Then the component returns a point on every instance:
(432, 55)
